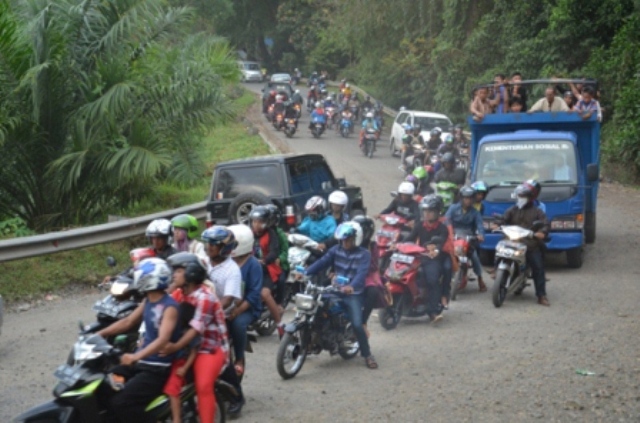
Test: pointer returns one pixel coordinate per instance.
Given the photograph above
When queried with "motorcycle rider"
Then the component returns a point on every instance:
(313, 79)
(367, 103)
(448, 146)
(367, 124)
(463, 216)
(185, 230)
(158, 233)
(459, 139)
(407, 147)
(266, 249)
(317, 225)
(536, 188)
(224, 273)
(145, 371)
(449, 171)
(524, 213)
(481, 193)
(352, 261)
(318, 115)
(328, 102)
(404, 205)
(283, 258)
(417, 134)
(290, 112)
(434, 141)
(338, 201)
(296, 98)
(423, 175)
(271, 99)
(431, 234)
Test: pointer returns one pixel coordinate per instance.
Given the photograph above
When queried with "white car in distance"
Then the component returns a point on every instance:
(426, 120)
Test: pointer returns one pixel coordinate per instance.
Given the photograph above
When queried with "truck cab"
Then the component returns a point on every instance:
(562, 152)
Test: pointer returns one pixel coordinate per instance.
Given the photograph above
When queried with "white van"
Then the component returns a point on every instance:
(426, 120)
(251, 71)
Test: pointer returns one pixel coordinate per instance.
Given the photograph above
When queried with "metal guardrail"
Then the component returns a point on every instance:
(54, 242)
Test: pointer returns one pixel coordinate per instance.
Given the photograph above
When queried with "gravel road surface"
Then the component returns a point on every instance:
(481, 364)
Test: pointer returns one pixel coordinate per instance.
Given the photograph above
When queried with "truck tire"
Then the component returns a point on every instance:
(486, 257)
(590, 227)
(574, 258)
(242, 205)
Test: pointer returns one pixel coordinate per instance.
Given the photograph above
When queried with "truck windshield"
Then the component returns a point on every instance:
(510, 163)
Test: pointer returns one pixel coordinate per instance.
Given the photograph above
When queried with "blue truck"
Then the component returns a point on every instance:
(562, 152)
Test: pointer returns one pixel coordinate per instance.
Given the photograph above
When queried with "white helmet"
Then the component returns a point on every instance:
(244, 237)
(279, 97)
(158, 227)
(406, 188)
(316, 203)
(369, 115)
(347, 230)
(329, 98)
(347, 85)
(297, 91)
(318, 104)
(152, 274)
(339, 198)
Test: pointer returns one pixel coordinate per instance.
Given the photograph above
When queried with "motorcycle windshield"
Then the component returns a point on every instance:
(515, 233)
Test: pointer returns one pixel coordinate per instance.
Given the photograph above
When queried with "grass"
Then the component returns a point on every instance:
(30, 278)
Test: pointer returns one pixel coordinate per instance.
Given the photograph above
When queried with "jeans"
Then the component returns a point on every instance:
(535, 260)
(238, 332)
(143, 384)
(447, 274)
(371, 294)
(432, 270)
(475, 261)
(353, 305)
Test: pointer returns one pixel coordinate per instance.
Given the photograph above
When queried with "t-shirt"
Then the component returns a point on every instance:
(252, 275)
(152, 319)
(227, 279)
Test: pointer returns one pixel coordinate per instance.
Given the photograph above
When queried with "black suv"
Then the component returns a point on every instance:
(287, 180)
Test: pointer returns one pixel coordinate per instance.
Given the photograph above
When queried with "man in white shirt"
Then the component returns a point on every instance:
(549, 103)
(223, 271)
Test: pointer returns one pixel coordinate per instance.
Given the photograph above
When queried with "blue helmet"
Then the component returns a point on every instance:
(480, 186)
(407, 127)
(152, 274)
(220, 235)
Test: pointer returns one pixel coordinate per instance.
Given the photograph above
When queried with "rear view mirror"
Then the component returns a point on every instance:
(111, 262)
(394, 194)
(327, 186)
(593, 172)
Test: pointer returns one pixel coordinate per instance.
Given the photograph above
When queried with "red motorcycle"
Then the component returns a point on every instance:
(392, 225)
(463, 247)
(401, 276)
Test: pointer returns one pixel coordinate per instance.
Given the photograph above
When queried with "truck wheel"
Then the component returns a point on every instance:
(242, 205)
(590, 227)
(574, 258)
(486, 257)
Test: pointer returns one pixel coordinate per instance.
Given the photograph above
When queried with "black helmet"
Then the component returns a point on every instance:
(536, 187)
(435, 132)
(467, 192)
(194, 269)
(260, 213)
(432, 202)
(417, 127)
(524, 190)
(368, 226)
(276, 215)
(448, 158)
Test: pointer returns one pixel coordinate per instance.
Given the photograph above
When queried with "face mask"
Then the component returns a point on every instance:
(522, 202)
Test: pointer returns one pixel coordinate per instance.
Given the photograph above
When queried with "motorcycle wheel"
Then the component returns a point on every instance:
(456, 285)
(370, 150)
(291, 355)
(266, 327)
(389, 317)
(289, 134)
(316, 134)
(499, 288)
(350, 348)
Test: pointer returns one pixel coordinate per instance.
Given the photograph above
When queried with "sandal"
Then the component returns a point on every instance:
(370, 362)
(239, 367)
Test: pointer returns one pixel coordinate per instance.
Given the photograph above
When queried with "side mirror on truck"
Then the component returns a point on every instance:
(342, 182)
(593, 172)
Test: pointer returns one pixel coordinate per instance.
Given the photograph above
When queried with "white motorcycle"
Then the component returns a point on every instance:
(301, 247)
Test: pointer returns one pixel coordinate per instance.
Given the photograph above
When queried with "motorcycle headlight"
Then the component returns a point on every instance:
(118, 288)
(83, 352)
(458, 250)
(304, 302)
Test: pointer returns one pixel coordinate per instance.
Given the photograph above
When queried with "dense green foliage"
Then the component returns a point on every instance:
(427, 54)
(100, 100)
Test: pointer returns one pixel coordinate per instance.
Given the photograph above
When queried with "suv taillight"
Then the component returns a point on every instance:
(209, 221)
(290, 216)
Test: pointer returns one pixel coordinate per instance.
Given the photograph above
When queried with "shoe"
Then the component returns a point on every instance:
(544, 301)
(481, 285)
(435, 318)
(371, 362)
(280, 329)
(235, 407)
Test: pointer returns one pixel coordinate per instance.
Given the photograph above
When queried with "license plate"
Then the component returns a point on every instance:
(67, 374)
(402, 258)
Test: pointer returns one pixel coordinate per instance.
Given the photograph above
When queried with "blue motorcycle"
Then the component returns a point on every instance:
(346, 125)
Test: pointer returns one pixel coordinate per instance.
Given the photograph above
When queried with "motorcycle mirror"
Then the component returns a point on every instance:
(111, 262)
(394, 194)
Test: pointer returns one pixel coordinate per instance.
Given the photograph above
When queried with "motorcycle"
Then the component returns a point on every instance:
(391, 228)
(463, 247)
(420, 156)
(368, 145)
(298, 109)
(354, 112)
(78, 390)
(321, 323)
(512, 270)
(346, 124)
(302, 249)
(312, 97)
(278, 121)
(290, 128)
(330, 112)
(269, 114)
(402, 276)
(447, 191)
(317, 128)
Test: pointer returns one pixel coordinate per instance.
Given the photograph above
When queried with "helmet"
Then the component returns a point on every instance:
(406, 188)
(437, 128)
(367, 224)
(152, 274)
(272, 93)
(432, 202)
(413, 179)
(448, 158)
(407, 127)
(316, 204)
(276, 215)
(219, 235)
(318, 104)
(420, 172)
(186, 222)
(347, 85)
(435, 132)
(467, 192)
(329, 98)
(138, 254)
(448, 139)
(158, 227)
(279, 97)
(261, 214)
(195, 271)
(297, 92)
(339, 198)
(369, 115)
(480, 186)
(417, 127)
(348, 230)
(536, 187)
(244, 238)
(524, 190)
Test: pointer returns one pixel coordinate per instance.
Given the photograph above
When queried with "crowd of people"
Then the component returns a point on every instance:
(511, 96)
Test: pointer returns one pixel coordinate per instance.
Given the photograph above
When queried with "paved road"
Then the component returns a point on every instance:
(481, 364)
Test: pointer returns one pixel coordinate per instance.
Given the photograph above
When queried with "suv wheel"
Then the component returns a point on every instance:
(242, 205)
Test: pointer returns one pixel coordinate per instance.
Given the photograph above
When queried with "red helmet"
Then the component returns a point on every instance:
(138, 254)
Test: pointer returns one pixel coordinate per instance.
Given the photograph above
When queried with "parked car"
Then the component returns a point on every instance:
(281, 77)
(427, 120)
(287, 180)
(251, 71)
